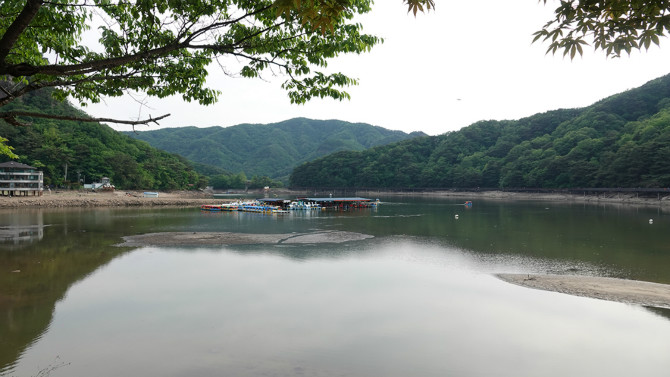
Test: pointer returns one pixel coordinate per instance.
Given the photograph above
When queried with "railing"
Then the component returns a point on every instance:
(21, 189)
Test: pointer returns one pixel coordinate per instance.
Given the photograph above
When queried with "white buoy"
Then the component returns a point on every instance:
(456, 217)
(651, 221)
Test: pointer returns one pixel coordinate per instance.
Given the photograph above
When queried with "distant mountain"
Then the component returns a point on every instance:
(271, 150)
(620, 141)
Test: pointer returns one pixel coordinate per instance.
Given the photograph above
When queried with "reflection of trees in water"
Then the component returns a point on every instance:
(45, 264)
(663, 312)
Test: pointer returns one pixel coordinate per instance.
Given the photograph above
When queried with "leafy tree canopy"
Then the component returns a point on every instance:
(614, 26)
(163, 47)
(87, 49)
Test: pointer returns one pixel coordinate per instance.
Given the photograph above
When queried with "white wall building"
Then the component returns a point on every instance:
(17, 179)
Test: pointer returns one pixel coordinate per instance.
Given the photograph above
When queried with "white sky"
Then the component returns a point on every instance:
(466, 61)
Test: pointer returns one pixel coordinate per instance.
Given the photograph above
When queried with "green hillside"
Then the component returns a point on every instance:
(271, 150)
(89, 151)
(621, 141)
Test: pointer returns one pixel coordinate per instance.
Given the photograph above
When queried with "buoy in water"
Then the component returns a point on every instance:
(456, 217)
(651, 221)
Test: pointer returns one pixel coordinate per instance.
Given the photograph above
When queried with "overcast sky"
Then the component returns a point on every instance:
(464, 62)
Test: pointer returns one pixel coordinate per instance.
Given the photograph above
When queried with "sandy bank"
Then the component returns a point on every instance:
(620, 290)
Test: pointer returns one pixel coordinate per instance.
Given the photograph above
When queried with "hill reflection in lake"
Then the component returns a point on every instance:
(417, 299)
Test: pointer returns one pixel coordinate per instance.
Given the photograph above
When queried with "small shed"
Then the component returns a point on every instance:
(104, 185)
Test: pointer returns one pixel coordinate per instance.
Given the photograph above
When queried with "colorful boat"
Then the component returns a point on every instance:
(258, 208)
(230, 206)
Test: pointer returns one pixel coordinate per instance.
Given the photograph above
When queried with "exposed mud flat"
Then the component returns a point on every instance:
(226, 238)
(612, 289)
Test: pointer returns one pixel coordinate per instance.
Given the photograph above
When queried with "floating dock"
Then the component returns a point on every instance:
(274, 205)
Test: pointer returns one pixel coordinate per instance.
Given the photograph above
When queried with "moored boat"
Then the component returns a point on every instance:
(230, 206)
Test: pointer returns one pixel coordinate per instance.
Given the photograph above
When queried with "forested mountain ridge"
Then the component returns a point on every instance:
(271, 150)
(88, 151)
(620, 141)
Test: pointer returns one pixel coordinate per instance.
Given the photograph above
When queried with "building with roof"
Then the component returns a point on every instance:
(104, 185)
(17, 179)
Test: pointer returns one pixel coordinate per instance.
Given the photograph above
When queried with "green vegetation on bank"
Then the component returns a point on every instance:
(621, 141)
(270, 150)
(89, 151)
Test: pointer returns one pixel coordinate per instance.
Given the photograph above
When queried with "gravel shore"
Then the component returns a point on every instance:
(64, 199)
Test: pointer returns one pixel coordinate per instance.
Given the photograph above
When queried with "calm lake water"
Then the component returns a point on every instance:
(418, 299)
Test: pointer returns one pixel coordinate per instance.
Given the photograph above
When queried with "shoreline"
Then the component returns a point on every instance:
(615, 198)
(84, 199)
(603, 288)
(62, 199)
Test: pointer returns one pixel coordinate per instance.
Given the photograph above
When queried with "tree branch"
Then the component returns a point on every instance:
(27, 70)
(218, 25)
(17, 27)
(10, 117)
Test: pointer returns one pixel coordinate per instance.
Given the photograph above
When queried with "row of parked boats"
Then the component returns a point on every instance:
(285, 205)
(252, 206)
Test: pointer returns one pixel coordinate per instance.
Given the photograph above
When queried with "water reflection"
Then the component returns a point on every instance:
(393, 309)
(418, 299)
(663, 312)
(36, 271)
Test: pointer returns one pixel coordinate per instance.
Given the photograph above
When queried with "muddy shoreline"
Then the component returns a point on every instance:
(603, 288)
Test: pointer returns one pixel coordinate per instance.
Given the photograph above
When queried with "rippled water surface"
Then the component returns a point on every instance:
(417, 299)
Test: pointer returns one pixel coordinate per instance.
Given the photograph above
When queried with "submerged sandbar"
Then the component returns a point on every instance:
(228, 238)
(604, 288)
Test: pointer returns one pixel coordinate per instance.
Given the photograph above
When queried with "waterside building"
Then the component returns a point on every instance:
(17, 179)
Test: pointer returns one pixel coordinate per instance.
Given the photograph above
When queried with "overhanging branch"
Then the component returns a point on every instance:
(10, 117)
(17, 27)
